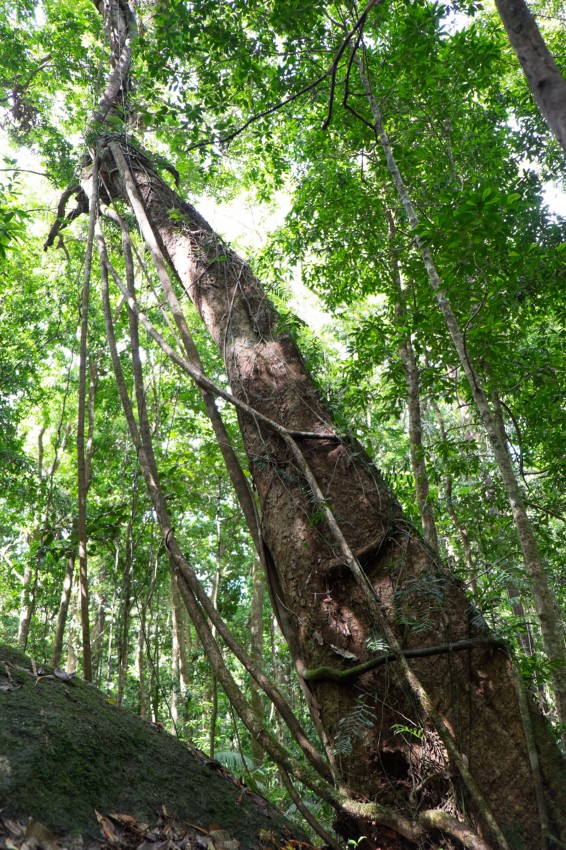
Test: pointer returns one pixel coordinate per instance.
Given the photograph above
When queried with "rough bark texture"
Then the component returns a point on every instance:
(384, 751)
(546, 83)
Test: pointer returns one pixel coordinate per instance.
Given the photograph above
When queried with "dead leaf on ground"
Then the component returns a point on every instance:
(223, 840)
(107, 828)
(127, 820)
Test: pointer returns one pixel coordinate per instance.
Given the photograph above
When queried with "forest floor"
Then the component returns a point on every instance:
(78, 772)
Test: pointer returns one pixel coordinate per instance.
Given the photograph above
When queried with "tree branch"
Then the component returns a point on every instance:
(331, 72)
(337, 675)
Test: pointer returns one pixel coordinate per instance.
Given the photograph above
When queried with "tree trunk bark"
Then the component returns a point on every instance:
(72, 661)
(63, 611)
(141, 655)
(27, 604)
(98, 633)
(412, 377)
(125, 617)
(85, 408)
(546, 83)
(256, 651)
(453, 514)
(214, 600)
(387, 750)
(178, 655)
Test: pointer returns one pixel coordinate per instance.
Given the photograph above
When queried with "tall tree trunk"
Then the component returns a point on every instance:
(153, 646)
(31, 575)
(125, 617)
(328, 623)
(27, 604)
(453, 514)
(546, 83)
(99, 627)
(178, 655)
(63, 611)
(84, 450)
(256, 650)
(141, 663)
(412, 377)
(214, 600)
(72, 661)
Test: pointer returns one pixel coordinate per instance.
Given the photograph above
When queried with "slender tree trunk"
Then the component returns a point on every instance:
(524, 634)
(27, 604)
(125, 616)
(63, 611)
(72, 661)
(453, 514)
(256, 651)
(154, 661)
(546, 83)
(214, 600)
(112, 626)
(416, 444)
(178, 655)
(514, 596)
(141, 656)
(30, 576)
(100, 604)
(412, 377)
(83, 474)
(551, 629)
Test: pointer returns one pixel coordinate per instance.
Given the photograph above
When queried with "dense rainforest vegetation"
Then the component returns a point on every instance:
(324, 545)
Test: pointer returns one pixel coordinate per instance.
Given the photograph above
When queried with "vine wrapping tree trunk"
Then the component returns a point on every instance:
(83, 472)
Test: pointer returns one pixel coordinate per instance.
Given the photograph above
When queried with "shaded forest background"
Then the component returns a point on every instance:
(476, 157)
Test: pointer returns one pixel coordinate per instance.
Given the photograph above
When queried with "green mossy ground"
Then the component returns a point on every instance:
(66, 751)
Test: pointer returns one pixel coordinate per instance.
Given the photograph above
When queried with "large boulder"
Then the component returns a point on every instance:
(66, 753)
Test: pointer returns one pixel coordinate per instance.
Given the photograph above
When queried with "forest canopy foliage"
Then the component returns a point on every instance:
(399, 152)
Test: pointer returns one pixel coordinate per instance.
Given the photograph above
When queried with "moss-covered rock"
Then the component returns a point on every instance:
(65, 752)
